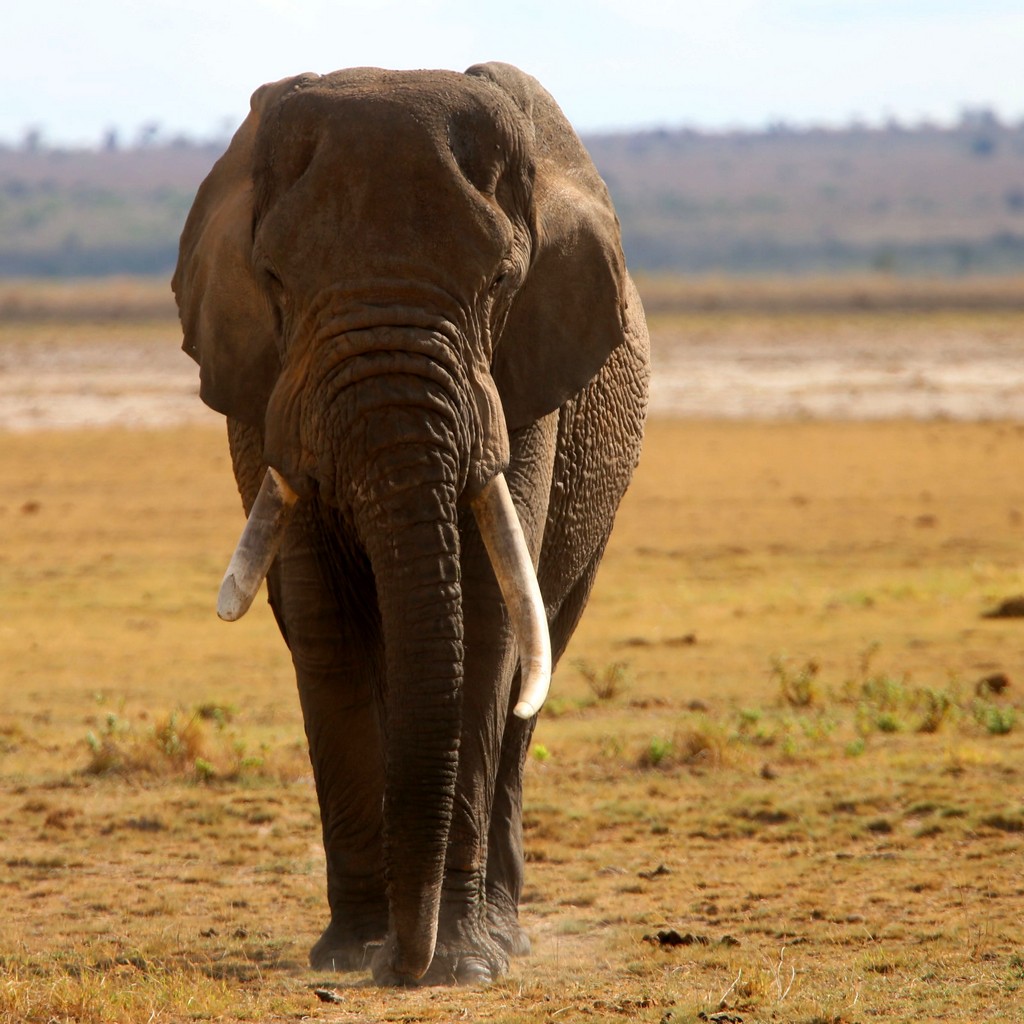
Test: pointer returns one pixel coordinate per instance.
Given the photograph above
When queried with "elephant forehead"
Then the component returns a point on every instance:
(397, 105)
(370, 117)
(384, 156)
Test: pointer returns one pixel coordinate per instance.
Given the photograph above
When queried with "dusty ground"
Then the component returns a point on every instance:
(720, 364)
(878, 365)
(786, 738)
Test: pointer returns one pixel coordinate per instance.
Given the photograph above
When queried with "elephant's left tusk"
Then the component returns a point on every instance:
(257, 547)
(503, 537)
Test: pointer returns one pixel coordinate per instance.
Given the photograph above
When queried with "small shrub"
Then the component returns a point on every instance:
(656, 753)
(694, 747)
(996, 721)
(220, 714)
(888, 722)
(884, 692)
(937, 706)
(1005, 823)
(181, 744)
(608, 683)
(753, 728)
(197, 745)
(797, 689)
(104, 755)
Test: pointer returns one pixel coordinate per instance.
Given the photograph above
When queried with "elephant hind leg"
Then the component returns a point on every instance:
(505, 858)
(505, 853)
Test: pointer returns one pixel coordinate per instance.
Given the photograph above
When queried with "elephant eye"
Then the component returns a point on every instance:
(275, 285)
(505, 273)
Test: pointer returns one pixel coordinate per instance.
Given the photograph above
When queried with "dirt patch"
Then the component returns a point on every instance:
(732, 365)
(69, 376)
(868, 366)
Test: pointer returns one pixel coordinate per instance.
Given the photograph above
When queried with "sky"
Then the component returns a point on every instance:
(75, 69)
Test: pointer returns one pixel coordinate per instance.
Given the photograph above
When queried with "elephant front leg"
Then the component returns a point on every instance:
(506, 858)
(345, 752)
(335, 665)
(466, 951)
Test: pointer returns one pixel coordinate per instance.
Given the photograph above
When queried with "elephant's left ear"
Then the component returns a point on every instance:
(228, 324)
(569, 314)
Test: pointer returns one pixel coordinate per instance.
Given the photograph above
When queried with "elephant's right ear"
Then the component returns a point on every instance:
(229, 326)
(570, 312)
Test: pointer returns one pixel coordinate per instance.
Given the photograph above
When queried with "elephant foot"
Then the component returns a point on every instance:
(503, 924)
(471, 957)
(339, 950)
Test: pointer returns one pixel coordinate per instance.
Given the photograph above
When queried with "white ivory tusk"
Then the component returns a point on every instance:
(503, 537)
(257, 547)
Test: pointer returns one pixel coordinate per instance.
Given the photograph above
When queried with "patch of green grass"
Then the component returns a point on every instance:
(657, 753)
(197, 745)
(995, 720)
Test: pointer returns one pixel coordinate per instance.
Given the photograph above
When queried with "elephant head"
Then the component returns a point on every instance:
(387, 274)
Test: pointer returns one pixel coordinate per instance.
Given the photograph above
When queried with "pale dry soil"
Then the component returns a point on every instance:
(725, 364)
(786, 735)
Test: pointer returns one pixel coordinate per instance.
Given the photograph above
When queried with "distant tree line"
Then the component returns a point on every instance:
(893, 198)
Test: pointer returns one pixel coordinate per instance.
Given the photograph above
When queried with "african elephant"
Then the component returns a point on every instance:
(407, 294)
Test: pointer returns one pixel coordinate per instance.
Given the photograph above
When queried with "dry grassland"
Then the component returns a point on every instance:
(138, 297)
(779, 778)
(669, 293)
(85, 300)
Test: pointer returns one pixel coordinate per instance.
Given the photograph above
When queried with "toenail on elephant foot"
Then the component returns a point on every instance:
(473, 970)
(470, 959)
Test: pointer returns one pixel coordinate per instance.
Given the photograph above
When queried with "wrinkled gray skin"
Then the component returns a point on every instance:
(397, 284)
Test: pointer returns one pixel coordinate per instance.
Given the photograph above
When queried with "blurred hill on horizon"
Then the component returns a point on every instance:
(922, 200)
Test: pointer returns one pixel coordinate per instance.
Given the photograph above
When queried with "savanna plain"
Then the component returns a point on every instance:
(780, 776)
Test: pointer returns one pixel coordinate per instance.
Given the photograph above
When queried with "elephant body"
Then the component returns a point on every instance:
(400, 286)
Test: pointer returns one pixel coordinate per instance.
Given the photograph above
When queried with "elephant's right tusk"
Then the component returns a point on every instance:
(503, 537)
(257, 547)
